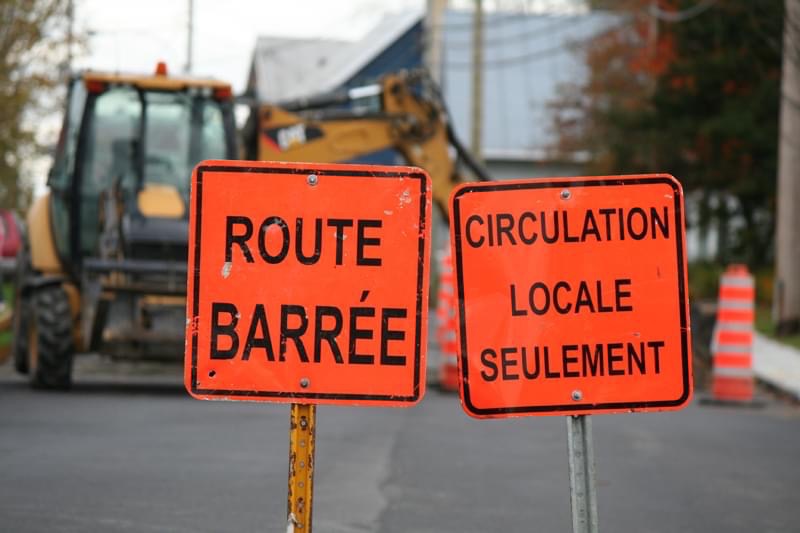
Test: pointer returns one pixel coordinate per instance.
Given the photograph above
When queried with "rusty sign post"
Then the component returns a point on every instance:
(307, 285)
(302, 434)
(572, 301)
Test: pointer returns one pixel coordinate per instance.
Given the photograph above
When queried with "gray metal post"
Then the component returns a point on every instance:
(582, 488)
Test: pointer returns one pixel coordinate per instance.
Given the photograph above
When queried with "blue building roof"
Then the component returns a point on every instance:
(285, 68)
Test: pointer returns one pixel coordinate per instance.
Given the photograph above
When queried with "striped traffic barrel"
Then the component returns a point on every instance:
(732, 344)
(446, 336)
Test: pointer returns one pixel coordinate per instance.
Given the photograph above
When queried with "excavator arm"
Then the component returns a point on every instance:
(404, 112)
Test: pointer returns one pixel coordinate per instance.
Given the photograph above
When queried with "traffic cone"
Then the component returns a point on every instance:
(446, 301)
(732, 341)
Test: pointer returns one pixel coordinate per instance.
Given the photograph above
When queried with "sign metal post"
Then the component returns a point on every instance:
(582, 487)
(302, 436)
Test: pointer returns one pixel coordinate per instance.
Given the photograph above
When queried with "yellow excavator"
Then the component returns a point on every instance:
(103, 267)
(403, 116)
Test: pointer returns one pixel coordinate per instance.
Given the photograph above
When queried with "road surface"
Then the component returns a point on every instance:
(133, 452)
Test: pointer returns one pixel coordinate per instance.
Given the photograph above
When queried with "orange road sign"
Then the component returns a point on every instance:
(572, 296)
(308, 283)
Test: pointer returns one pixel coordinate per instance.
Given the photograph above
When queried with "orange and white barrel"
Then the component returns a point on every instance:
(732, 344)
(446, 301)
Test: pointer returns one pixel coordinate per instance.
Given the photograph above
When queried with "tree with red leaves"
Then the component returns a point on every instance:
(689, 87)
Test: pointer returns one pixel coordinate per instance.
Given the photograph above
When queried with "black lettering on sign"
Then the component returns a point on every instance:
(328, 335)
(295, 333)
(571, 361)
(321, 327)
(592, 361)
(391, 335)
(507, 363)
(340, 224)
(505, 222)
(563, 226)
(241, 239)
(488, 357)
(567, 360)
(532, 236)
(514, 310)
(589, 298)
(549, 239)
(526, 371)
(298, 243)
(357, 333)
(544, 299)
(475, 243)
(565, 223)
(620, 294)
(227, 329)
(262, 240)
(363, 241)
(590, 227)
(274, 240)
(259, 322)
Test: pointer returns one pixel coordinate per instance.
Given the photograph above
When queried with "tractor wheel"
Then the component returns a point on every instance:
(22, 314)
(50, 347)
(22, 323)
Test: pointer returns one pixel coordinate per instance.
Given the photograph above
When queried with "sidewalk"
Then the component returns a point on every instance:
(777, 364)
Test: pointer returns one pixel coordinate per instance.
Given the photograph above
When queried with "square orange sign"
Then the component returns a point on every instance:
(308, 283)
(572, 295)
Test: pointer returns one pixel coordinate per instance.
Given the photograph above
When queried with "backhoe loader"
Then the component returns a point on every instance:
(104, 263)
(103, 267)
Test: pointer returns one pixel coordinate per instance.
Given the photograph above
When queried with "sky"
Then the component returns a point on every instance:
(133, 36)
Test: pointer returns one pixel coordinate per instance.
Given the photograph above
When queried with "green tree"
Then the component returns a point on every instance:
(33, 38)
(694, 92)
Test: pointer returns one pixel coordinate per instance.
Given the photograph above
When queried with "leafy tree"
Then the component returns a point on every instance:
(696, 96)
(33, 35)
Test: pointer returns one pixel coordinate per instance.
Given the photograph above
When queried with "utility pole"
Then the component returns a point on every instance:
(189, 37)
(477, 80)
(70, 33)
(786, 303)
(434, 37)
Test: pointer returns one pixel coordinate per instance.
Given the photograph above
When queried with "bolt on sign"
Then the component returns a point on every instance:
(572, 296)
(308, 283)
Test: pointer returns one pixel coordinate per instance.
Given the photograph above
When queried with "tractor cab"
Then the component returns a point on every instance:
(125, 158)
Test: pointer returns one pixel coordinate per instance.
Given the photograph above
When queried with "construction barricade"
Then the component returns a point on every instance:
(446, 301)
(732, 342)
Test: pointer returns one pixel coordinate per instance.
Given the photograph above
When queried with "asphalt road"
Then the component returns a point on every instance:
(135, 453)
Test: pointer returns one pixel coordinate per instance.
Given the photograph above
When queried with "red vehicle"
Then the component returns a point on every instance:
(10, 238)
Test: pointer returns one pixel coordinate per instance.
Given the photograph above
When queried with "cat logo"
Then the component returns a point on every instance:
(292, 135)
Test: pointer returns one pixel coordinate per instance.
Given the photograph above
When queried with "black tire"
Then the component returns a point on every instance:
(50, 347)
(22, 314)
(19, 343)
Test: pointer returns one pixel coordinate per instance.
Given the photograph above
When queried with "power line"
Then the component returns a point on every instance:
(491, 22)
(680, 16)
(522, 58)
(531, 34)
(535, 55)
